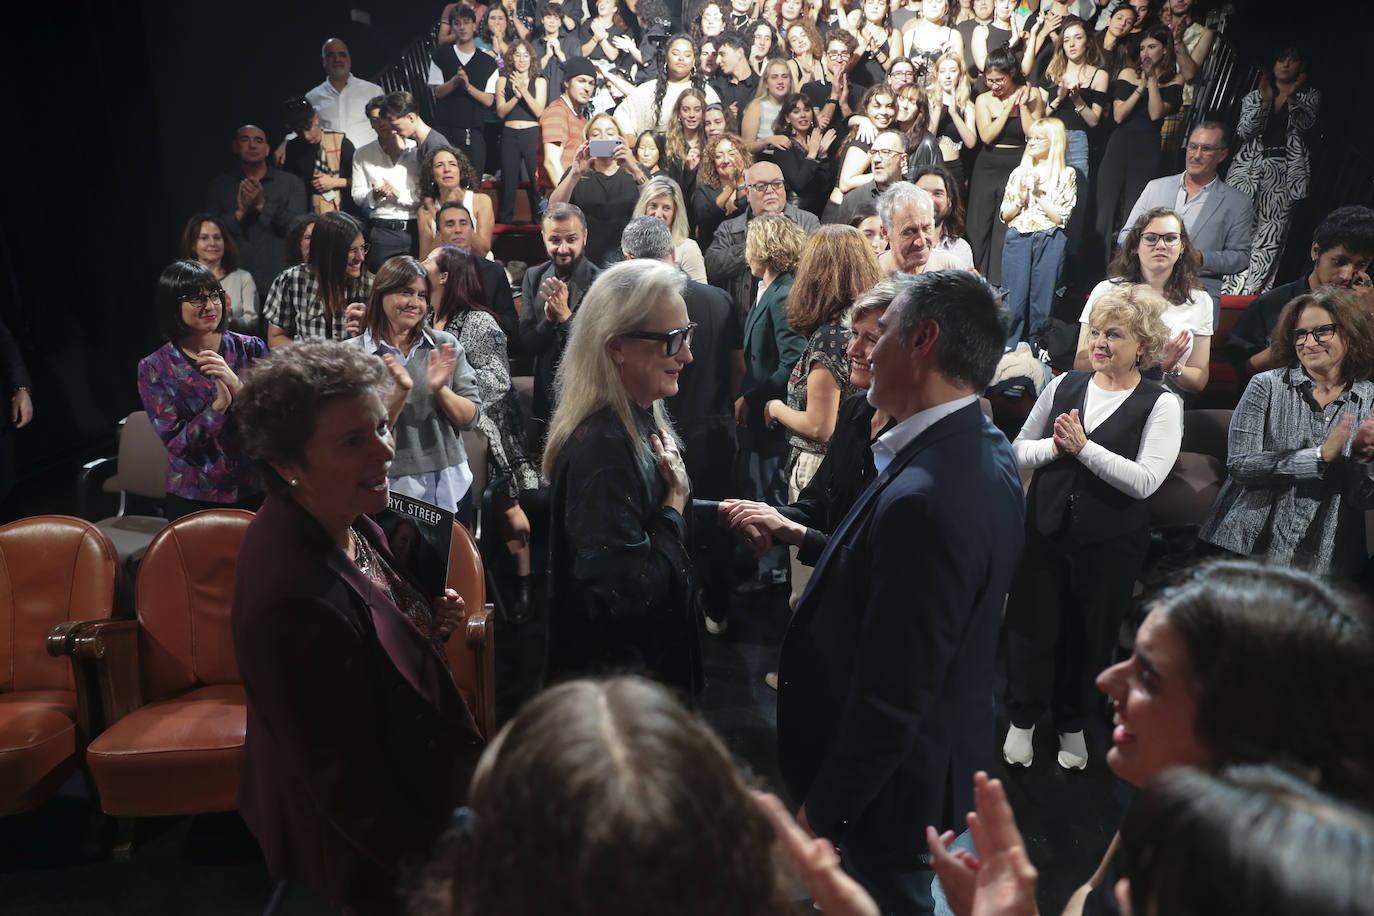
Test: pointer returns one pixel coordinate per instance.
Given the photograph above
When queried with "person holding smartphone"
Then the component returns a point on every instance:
(604, 180)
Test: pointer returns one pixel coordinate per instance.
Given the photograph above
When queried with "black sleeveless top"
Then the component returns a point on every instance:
(1013, 134)
(521, 111)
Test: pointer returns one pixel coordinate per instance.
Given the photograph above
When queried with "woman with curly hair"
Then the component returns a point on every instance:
(1159, 253)
(709, 21)
(445, 175)
(651, 106)
(805, 48)
(1100, 443)
(719, 194)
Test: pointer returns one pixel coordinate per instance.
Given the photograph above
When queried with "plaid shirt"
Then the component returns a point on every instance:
(293, 304)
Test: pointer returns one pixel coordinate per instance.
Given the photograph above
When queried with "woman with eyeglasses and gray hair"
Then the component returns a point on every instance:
(620, 589)
(188, 386)
(1301, 441)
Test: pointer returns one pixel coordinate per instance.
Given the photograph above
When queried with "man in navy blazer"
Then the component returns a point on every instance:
(1217, 215)
(885, 701)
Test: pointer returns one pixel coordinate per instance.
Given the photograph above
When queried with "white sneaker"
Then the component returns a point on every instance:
(716, 627)
(1073, 751)
(1017, 749)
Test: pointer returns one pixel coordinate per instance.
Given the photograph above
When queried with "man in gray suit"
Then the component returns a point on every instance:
(1217, 215)
(725, 264)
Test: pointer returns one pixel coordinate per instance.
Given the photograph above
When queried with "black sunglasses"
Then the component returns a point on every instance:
(673, 340)
(1320, 334)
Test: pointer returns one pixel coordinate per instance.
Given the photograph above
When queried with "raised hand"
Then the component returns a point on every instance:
(1174, 350)
(1335, 440)
(556, 309)
(817, 865)
(440, 369)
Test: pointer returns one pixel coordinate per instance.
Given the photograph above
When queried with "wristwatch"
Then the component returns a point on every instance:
(1176, 371)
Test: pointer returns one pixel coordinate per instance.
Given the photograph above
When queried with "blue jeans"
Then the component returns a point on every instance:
(1031, 264)
(1076, 158)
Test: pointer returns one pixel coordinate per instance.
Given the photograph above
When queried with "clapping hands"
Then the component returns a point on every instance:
(996, 881)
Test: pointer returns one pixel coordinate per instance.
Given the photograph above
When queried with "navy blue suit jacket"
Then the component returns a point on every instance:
(885, 706)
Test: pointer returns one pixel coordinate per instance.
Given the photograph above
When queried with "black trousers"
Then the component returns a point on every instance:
(1063, 616)
(519, 145)
(387, 243)
(471, 142)
(986, 233)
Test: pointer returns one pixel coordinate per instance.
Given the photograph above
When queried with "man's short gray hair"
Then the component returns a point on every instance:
(647, 237)
(902, 192)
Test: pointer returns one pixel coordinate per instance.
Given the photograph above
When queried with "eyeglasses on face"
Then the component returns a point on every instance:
(360, 250)
(1207, 148)
(884, 153)
(1170, 239)
(203, 301)
(1320, 334)
(673, 341)
(777, 184)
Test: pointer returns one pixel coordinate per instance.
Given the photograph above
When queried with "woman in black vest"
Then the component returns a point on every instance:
(1101, 442)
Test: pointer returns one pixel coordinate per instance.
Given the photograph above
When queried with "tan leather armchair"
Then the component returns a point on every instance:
(472, 653)
(174, 707)
(53, 569)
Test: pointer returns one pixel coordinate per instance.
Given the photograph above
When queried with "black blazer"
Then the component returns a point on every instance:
(545, 341)
(359, 743)
(885, 700)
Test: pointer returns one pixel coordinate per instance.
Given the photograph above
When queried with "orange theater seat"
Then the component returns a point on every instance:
(170, 684)
(53, 569)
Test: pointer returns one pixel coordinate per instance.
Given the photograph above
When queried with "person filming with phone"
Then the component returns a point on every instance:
(604, 181)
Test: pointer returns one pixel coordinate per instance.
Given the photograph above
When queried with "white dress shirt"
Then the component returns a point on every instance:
(371, 164)
(890, 443)
(342, 109)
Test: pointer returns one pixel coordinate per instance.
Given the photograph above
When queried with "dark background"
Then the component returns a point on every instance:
(120, 114)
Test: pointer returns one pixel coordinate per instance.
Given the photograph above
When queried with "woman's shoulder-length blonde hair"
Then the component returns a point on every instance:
(1138, 309)
(588, 379)
(663, 186)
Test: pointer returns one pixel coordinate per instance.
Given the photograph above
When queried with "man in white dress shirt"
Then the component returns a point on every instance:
(341, 97)
(386, 186)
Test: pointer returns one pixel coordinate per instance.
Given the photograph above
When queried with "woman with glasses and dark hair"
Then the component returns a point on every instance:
(1301, 441)
(188, 386)
(309, 300)
(205, 240)
(441, 399)
(620, 589)
(1159, 253)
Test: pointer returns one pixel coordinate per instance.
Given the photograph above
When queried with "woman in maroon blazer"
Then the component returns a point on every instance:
(359, 743)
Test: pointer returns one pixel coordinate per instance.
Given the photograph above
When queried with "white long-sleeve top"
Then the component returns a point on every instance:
(1138, 478)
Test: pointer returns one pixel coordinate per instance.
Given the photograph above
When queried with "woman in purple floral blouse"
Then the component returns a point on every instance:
(188, 387)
